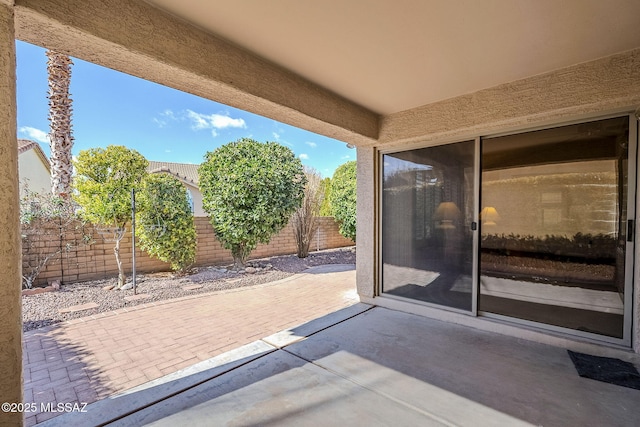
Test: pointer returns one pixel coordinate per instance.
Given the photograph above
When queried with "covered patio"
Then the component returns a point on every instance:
(392, 79)
(366, 365)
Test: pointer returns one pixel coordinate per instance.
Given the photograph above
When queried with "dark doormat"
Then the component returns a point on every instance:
(606, 369)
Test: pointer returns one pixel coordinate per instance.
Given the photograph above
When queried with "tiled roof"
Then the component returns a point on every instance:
(25, 145)
(183, 171)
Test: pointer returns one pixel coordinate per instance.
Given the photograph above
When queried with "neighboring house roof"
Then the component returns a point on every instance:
(25, 145)
(187, 173)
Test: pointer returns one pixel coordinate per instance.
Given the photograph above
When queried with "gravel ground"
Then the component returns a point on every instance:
(43, 309)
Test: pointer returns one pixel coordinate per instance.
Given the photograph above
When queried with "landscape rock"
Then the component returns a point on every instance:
(108, 287)
(250, 270)
(41, 309)
(126, 287)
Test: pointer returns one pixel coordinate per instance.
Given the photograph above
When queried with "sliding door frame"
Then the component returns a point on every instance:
(630, 250)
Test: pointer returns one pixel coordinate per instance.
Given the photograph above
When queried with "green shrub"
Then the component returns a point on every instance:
(325, 208)
(165, 221)
(343, 198)
(249, 190)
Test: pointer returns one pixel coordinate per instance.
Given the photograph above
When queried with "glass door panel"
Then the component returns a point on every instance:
(427, 212)
(553, 226)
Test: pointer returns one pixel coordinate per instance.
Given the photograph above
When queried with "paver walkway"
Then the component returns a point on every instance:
(84, 361)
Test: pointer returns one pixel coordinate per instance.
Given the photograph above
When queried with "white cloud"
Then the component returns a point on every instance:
(221, 122)
(213, 121)
(345, 157)
(311, 144)
(198, 121)
(164, 118)
(276, 136)
(37, 134)
(304, 156)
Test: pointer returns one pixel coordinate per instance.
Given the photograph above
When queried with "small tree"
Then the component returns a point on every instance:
(103, 182)
(343, 198)
(165, 221)
(250, 189)
(303, 219)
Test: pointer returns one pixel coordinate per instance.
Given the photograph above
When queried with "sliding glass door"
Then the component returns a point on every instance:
(549, 243)
(427, 240)
(554, 226)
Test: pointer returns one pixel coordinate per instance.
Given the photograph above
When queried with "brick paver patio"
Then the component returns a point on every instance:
(89, 359)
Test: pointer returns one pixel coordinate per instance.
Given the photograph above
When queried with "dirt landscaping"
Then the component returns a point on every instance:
(91, 298)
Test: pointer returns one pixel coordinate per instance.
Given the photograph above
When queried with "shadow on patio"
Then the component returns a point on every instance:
(56, 369)
(374, 366)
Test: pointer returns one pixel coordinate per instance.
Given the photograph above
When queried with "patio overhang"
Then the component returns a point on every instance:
(137, 38)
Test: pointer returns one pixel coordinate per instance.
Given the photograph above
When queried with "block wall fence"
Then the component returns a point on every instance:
(96, 260)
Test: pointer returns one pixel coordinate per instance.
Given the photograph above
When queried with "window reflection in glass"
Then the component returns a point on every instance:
(553, 223)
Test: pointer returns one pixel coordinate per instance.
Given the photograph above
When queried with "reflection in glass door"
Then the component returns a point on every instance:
(553, 221)
(427, 212)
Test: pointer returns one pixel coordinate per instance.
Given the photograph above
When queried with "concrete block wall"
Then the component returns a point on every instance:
(96, 260)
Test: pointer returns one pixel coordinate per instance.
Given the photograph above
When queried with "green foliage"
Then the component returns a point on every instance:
(325, 208)
(103, 186)
(343, 198)
(103, 183)
(165, 222)
(250, 189)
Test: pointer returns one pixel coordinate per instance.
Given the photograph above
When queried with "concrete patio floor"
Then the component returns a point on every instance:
(366, 365)
(92, 358)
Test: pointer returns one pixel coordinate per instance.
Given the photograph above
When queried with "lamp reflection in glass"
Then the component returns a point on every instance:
(489, 216)
(446, 214)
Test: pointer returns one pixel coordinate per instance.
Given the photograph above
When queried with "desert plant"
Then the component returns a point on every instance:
(303, 219)
(103, 182)
(249, 190)
(343, 198)
(165, 222)
(47, 221)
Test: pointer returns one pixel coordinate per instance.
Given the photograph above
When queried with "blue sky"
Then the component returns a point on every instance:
(161, 123)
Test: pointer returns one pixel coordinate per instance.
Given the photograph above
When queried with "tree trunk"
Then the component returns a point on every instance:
(240, 254)
(121, 276)
(60, 110)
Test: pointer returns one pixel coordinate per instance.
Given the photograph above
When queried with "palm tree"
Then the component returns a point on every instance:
(60, 110)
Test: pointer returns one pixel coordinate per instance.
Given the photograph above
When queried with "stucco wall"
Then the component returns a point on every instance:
(33, 172)
(197, 201)
(10, 307)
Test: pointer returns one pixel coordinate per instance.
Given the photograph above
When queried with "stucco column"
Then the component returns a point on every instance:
(365, 216)
(10, 252)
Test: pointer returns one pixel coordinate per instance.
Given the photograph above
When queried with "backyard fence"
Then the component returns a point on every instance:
(95, 259)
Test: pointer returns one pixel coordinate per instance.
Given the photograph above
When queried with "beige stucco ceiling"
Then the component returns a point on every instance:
(394, 55)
